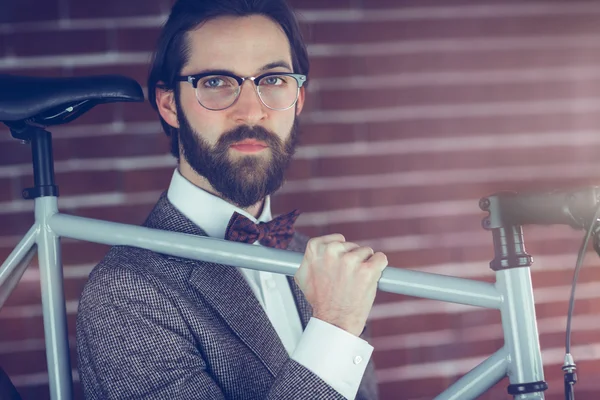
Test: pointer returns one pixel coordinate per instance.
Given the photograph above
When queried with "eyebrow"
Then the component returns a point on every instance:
(275, 64)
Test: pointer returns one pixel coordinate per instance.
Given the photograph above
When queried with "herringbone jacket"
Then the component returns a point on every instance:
(155, 326)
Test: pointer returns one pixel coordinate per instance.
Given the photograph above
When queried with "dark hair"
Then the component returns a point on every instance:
(172, 51)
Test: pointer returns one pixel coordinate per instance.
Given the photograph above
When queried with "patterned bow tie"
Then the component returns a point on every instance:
(276, 233)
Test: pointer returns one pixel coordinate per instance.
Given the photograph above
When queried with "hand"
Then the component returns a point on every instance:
(339, 280)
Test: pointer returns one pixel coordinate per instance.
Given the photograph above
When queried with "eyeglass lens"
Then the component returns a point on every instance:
(217, 92)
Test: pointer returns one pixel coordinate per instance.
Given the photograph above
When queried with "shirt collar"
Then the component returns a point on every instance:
(207, 211)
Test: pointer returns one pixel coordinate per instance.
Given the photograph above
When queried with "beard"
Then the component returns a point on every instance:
(248, 179)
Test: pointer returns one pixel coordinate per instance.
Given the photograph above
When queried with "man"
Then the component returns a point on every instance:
(228, 81)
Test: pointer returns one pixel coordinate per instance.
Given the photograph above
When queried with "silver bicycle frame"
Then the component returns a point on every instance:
(512, 294)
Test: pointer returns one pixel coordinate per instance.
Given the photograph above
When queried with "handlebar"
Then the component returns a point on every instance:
(574, 208)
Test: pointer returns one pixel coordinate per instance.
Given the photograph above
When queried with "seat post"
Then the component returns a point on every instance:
(43, 163)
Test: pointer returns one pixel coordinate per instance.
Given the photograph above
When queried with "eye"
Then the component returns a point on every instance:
(273, 80)
(210, 82)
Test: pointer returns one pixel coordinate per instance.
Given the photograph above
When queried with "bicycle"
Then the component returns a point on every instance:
(29, 105)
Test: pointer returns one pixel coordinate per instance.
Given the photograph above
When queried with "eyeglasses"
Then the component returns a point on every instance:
(220, 90)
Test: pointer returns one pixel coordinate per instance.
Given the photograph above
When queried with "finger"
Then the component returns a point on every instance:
(362, 253)
(334, 237)
(317, 245)
(378, 261)
(336, 249)
(349, 246)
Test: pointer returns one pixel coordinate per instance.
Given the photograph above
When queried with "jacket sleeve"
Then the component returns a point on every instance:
(368, 389)
(132, 343)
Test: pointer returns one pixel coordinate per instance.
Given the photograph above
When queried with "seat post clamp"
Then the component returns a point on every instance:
(40, 191)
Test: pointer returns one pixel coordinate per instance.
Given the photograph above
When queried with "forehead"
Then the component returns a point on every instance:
(240, 44)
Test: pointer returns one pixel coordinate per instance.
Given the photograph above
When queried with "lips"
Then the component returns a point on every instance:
(249, 146)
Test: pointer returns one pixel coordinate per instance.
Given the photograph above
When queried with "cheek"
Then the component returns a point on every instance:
(207, 124)
(284, 124)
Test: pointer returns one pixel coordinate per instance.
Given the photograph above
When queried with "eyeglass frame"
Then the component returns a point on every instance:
(194, 79)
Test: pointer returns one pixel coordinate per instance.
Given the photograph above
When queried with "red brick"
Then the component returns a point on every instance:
(466, 349)
(432, 321)
(317, 201)
(25, 362)
(437, 61)
(8, 190)
(13, 152)
(81, 183)
(459, 28)
(408, 4)
(130, 214)
(390, 359)
(15, 12)
(300, 5)
(133, 112)
(312, 231)
(29, 328)
(115, 8)
(300, 169)
(59, 42)
(356, 231)
(429, 388)
(447, 95)
(329, 133)
(420, 258)
(75, 252)
(138, 72)
(28, 292)
(459, 160)
(122, 145)
(492, 125)
(93, 146)
(446, 352)
(19, 223)
(424, 193)
(348, 198)
(546, 278)
(14, 224)
(335, 67)
(137, 39)
(446, 127)
(156, 179)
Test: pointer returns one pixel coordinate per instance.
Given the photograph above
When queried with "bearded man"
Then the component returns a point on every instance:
(228, 82)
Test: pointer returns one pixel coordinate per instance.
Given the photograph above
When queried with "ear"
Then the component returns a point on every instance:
(300, 102)
(165, 101)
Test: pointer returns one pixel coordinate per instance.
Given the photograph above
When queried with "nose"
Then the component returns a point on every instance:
(248, 108)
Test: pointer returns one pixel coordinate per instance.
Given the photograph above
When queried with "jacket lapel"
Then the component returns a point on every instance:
(298, 244)
(226, 290)
(303, 306)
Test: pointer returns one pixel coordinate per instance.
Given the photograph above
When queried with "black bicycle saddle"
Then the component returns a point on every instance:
(55, 101)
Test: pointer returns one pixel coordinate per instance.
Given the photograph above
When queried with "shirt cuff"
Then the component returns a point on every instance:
(334, 355)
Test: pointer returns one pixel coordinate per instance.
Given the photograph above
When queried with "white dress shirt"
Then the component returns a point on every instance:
(336, 356)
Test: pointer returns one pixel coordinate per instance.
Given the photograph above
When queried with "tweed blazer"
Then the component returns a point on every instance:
(154, 326)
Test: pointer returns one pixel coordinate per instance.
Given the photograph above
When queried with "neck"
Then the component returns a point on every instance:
(188, 173)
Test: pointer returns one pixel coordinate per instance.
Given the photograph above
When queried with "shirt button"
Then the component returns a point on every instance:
(357, 360)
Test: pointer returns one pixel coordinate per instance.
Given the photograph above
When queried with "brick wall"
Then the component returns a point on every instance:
(416, 109)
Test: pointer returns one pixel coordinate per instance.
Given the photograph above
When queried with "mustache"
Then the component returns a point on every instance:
(245, 132)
